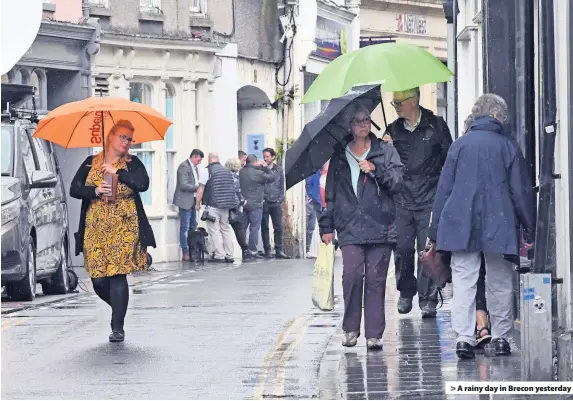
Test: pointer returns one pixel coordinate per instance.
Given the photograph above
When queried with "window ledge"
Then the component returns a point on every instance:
(49, 7)
(151, 16)
(100, 11)
(465, 34)
(199, 21)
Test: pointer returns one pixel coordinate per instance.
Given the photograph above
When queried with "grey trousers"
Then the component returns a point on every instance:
(365, 266)
(499, 294)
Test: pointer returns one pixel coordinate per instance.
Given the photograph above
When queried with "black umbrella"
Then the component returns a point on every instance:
(315, 145)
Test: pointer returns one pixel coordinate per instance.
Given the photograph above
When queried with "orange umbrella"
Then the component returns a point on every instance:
(81, 124)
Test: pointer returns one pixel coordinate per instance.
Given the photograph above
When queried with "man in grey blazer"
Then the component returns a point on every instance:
(188, 177)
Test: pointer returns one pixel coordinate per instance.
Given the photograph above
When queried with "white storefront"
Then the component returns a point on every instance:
(176, 78)
(337, 31)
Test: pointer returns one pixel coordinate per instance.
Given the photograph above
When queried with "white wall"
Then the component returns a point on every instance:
(562, 201)
(225, 124)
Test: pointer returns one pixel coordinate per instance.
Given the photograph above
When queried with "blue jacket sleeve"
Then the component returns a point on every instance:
(445, 186)
(523, 196)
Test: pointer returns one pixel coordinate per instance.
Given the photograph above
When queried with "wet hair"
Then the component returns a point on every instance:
(197, 152)
(271, 151)
(233, 164)
(352, 109)
(490, 105)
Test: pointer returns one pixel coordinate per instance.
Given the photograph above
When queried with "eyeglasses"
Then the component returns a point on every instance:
(125, 138)
(398, 103)
(366, 120)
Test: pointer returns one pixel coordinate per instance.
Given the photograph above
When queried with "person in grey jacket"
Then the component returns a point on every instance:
(253, 178)
(272, 206)
(188, 176)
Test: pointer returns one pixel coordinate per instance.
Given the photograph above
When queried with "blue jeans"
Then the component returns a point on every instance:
(254, 217)
(187, 221)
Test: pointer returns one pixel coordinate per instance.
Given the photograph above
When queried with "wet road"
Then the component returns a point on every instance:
(217, 332)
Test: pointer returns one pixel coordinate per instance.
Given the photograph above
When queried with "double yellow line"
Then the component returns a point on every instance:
(276, 359)
(8, 323)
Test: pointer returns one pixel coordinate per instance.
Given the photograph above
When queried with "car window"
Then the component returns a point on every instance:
(7, 147)
(43, 153)
(27, 154)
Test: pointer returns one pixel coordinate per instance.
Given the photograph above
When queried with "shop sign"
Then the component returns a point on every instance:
(409, 23)
(330, 39)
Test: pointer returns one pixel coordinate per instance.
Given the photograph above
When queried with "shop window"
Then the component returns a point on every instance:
(142, 93)
(170, 151)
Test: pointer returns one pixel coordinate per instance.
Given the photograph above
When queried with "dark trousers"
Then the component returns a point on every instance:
(240, 229)
(114, 291)
(274, 211)
(481, 303)
(412, 227)
(365, 266)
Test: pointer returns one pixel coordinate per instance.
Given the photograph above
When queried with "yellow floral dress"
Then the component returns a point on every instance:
(111, 239)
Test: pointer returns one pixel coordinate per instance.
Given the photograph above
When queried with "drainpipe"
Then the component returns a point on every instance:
(450, 13)
(85, 8)
(538, 289)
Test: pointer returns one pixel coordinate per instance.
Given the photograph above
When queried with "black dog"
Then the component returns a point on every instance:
(197, 245)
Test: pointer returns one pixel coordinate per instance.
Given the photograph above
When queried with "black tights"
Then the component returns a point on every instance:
(115, 292)
(481, 303)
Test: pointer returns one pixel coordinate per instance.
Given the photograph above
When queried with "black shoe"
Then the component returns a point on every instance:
(428, 311)
(215, 260)
(247, 255)
(268, 255)
(116, 337)
(497, 347)
(465, 351)
(229, 260)
(281, 255)
(404, 305)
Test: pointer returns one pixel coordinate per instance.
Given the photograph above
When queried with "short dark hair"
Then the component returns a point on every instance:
(251, 159)
(241, 154)
(197, 152)
(271, 151)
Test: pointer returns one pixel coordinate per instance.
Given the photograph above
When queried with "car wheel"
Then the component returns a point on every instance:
(25, 289)
(59, 283)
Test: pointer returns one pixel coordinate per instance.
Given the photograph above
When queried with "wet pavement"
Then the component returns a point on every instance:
(213, 332)
(229, 332)
(417, 359)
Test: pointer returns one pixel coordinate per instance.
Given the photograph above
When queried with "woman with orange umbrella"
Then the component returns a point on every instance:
(114, 232)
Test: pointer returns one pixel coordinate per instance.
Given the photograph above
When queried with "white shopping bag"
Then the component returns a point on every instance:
(323, 280)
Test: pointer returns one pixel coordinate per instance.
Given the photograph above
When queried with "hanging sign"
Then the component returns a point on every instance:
(409, 23)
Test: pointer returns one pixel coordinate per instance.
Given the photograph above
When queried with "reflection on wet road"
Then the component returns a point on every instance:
(238, 332)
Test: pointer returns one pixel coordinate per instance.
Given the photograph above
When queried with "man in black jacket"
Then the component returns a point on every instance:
(272, 206)
(422, 140)
(253, 178)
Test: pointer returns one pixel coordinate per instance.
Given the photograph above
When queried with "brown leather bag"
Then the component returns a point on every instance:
(112, 180)
(436, 265)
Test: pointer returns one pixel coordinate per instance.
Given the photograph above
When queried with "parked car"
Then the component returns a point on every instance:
(35, 244)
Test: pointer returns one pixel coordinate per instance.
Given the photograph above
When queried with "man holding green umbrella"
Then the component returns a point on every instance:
(422, 140)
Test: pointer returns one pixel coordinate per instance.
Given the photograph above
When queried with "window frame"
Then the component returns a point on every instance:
(147, 197)
(170, 151)
(198, 7)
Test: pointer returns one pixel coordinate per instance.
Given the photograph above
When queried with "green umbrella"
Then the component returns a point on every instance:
(398, 66)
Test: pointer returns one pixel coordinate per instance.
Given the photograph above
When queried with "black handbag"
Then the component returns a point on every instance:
(234, 216)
